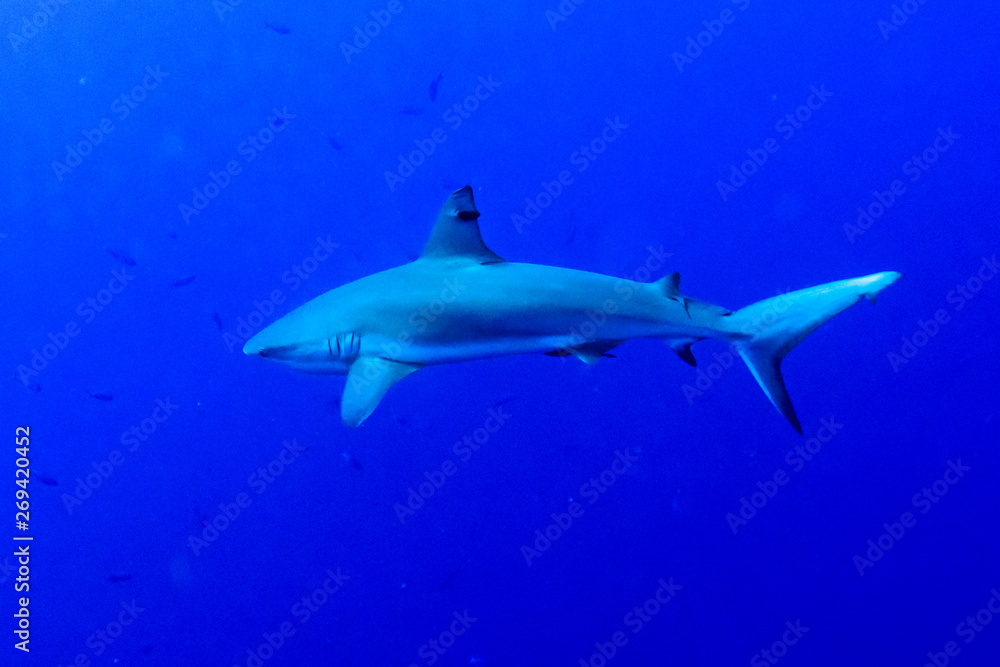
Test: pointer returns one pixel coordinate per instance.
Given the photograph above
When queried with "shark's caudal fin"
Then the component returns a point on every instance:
(767, 330)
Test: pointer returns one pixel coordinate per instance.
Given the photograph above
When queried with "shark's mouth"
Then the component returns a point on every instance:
(342, 347)
(277, 352)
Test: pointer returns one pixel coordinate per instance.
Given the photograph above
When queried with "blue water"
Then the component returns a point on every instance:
(142, 235)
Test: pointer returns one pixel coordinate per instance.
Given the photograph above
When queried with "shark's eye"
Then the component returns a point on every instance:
(468, 215)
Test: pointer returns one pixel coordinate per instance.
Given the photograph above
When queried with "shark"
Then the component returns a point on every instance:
(460, 301)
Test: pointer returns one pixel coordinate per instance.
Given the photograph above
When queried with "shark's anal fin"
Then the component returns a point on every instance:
(456, 232)
(367, 382)
(683, 350)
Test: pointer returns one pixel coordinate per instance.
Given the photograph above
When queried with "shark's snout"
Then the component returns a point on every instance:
(332, 355)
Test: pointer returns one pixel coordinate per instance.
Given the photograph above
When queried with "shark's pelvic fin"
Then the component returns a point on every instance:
(456, 232)
(589, 353)
(367, 382)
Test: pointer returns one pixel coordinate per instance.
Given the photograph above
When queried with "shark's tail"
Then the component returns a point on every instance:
(764, 332)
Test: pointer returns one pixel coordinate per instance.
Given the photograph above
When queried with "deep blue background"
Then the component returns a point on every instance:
(655, 185)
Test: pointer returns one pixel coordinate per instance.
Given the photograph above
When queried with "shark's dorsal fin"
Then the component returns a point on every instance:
(367, 382)
(456, 232)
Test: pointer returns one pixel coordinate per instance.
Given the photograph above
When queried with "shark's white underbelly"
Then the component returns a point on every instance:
(423, 352)
(430, 349)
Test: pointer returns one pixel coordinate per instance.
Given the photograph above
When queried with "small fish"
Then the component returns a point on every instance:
(102, 397)
(504, 401)
(121, 256)
(335, 143)
(118, 577)
(279, 28)
(411, 111)
(45, 479)
(434, 87)
(356, 464)
(217, 319)
(444, 584)
(34, 386)
(569, 239)
(182, 282)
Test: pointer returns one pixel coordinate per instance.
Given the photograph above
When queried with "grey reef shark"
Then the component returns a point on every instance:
(461, 301)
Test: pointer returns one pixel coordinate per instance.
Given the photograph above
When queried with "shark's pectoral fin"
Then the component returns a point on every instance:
(367, 382)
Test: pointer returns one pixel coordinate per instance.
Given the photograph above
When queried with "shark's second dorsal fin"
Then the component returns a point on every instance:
(456, 232)
(671, 287)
